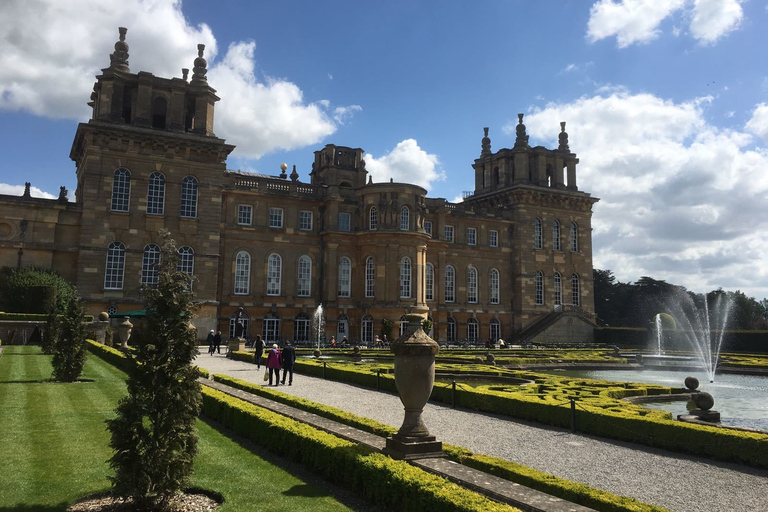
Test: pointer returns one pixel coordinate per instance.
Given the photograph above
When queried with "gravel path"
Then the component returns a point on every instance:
(678, 482)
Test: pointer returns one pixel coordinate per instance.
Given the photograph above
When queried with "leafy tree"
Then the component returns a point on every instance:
(18, 293)
(153, 435)
(69, 348)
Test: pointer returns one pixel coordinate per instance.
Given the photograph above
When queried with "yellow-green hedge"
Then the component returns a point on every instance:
(117, 357)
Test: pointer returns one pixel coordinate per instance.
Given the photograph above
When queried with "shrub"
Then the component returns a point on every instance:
(153, 434)
(21, 292)
(69, 350)
(50, 333)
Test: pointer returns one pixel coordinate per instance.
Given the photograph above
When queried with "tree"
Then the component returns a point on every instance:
(50, 333)
(153, 435)
(20, 292)
(69, 349)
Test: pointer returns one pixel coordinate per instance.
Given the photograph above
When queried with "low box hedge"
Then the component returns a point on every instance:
(117, 357)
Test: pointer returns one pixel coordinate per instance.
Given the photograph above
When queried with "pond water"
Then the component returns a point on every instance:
(742, 400)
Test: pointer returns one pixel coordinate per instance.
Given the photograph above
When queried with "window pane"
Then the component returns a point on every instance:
(115, 267)
(304, 288)
(538, 241)
(274, 274)
(149, 265)
(370, 277)
(156, 194)
(448, 233)
(428, 227)
(121, 190)
(344, 224)
(187, 262)
(471, 236)
(493, 238)
(430, 282)
(574, 237)
(405, 218)
(405, 278)
(244, 215)
(472, 285)
(242, 273)
(373, 220)
(555, 236)
(275, 217)
(305, 220)
(494, 284)
(345, 272)
(575, 299)
(189, 197)
(558, 285)
(450, 284)
(539, 288)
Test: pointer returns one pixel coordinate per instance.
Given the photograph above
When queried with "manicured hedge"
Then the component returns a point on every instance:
(389, 483)
(31, 317)
(117, 357)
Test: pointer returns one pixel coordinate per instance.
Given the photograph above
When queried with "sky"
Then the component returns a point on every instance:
(666, 103)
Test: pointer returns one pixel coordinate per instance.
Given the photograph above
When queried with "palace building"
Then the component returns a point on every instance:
(513, 260)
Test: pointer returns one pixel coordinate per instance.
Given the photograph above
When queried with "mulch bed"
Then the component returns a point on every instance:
(106, 502)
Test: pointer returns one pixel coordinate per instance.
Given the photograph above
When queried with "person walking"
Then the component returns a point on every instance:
(258, 347)
(210, 341)
(274, 362)
(217, 343)
(289, 357)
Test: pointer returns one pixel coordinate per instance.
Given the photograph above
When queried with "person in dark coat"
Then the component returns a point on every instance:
(274, 362)
(217, 343)
(210, 342)
(258, 347)
(289, 357)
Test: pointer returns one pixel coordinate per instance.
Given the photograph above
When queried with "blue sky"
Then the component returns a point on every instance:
(666, 102)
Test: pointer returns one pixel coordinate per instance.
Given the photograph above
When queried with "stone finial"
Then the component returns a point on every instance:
(521, 140)
(486, 143)
(184, 73)
(370, 179)
(391, 180)
(294, 174)
(26, 190)
(200, 69)
(62, 193)
(563, 137)
(118, 60)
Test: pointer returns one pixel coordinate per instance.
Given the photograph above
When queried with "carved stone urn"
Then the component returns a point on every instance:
(124, 332)
(414, 376)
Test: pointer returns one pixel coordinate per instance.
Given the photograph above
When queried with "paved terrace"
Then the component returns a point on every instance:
(678, 482)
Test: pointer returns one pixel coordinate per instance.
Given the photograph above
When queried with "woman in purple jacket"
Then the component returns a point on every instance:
(274, 362)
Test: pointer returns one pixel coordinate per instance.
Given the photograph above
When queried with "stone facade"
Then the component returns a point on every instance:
(278, 246)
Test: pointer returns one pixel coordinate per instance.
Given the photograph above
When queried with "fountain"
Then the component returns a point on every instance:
(318, 326)
(657, 321)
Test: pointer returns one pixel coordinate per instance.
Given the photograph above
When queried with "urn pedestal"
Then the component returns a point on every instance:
(414, 376)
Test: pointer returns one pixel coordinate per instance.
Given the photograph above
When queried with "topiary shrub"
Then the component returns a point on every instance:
(69, 348)
(153, 435)
(50, 333)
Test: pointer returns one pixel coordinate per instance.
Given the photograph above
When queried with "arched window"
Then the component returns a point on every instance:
(149, 264)
(304, 281)
(373, 218)
(472, 330)
(405, 218)
(366, 332)
(370, 277)
(233, 324)
(271, 329)
(115, 268)
(472, 285)
(538, 241)
(274, 274)
(574, 237)
(450, 284)
(495, 330)
(555, 235)
(451, 331)
(301, 328)
(429, 289)
(538, 283)
(403, 325)
(345, 276)
(431, 332)
(187, 263)
(342, 328)
(156, 194)
(121, 190)
(575, 297)
(242, 273)
(494, 286)
(405, 278)
(189, 197)
(558, 285)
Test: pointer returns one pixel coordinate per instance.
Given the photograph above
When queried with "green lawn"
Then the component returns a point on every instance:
(54, 445)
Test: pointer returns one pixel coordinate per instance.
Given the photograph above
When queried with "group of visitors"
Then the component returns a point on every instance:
(214, 342)
(276, 359)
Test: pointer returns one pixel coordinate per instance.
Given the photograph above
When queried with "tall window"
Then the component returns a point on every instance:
(156, 194)
(451, 331)
(344, 222)
(428, 227)
(405, 278)
(301, 327)
(244, 214)
(405, 218)
(450, 284)
(403, 325)
(187, 262)
(342, 327)
(538, 284)
(448, 232)
(189, 197)
(373, 218)
(493, 283)
(471, 236)
(304, 282)
(538, 241)
(493, 238)
(121, 190)
(370, 277)
(558, 285)
(345, 275)
(574, 237)
(472, 285)
(275, 217)
(115, 268)
(429, 289)
(575, 298)
(271, 330)
(472, 329)
(149, 265)
(366, 329)
(555, 235)
(233, 324)
(495, 329)
(305, 220)
(242, 273)
(274, 274)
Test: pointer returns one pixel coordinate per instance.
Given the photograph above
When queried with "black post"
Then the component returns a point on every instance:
(573, 415)
(378, 379)
(324, 363)
(453, 394)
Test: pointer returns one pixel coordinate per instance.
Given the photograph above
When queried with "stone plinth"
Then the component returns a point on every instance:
(236, 344)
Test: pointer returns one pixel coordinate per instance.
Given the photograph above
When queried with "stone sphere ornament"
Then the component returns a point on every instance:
(103, 316)
(704, 401)
(691, 383)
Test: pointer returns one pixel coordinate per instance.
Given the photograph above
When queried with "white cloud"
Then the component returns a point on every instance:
(758, 123)
(406, 163)
(18, 190)
(47, 43)
(680, 198)
(637, 21)
(342, 114)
